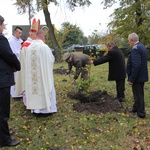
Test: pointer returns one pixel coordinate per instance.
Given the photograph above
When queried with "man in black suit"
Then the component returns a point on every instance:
(8, 65)
(117, 72)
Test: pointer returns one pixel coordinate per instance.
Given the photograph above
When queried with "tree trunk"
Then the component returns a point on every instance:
(55, 45)
(139, 19)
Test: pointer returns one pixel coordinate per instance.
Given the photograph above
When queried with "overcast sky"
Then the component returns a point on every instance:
(88, 19)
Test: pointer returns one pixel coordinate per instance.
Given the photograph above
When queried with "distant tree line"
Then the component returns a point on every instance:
(130, 16)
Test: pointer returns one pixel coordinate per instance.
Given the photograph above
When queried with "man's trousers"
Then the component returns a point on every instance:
(4, 114)
(139, 104)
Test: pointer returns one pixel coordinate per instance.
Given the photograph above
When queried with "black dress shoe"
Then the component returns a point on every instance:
(119, 97)
(141, 116)
(46, 115)
(17, 98)
(42, 114)
(134, 115)
(132, 111)
(10, 143)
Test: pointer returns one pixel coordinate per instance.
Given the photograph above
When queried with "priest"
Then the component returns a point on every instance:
(20, 75)
(39, 87)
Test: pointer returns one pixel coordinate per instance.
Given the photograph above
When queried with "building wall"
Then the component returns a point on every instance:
(25, 32)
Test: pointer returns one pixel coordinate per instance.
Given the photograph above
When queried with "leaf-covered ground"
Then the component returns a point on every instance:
(70, 129)
(95, 103)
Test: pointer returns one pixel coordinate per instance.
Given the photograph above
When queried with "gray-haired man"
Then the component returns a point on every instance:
(137, 71)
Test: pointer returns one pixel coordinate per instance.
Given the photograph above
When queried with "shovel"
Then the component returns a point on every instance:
(71, 80)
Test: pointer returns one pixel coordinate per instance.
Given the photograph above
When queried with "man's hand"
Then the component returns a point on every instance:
(14, 70)
(67, 72)
(74, 82)
(130, 83)
(91, 61)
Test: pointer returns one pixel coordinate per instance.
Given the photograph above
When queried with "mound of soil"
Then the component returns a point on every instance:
(95, 102)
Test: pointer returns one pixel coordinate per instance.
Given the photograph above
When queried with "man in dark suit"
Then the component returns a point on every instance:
(8, 65)
(117, 72)
(137, 71)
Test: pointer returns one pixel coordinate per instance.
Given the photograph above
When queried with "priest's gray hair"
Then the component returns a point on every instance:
(133, 36)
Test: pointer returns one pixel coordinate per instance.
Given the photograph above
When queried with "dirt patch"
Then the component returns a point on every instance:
(95, 102)
(61, 70)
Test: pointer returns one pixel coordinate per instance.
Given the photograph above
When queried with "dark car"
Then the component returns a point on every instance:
(95, 51)
(73, 48)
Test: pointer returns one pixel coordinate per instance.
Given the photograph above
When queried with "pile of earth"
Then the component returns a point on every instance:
(95, 102)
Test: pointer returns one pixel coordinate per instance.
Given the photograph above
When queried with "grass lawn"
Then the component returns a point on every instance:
(70, 130)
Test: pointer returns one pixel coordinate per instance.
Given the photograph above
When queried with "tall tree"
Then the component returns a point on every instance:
(73, 36)
(26, 6)
(130, 16)
(43, 5)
